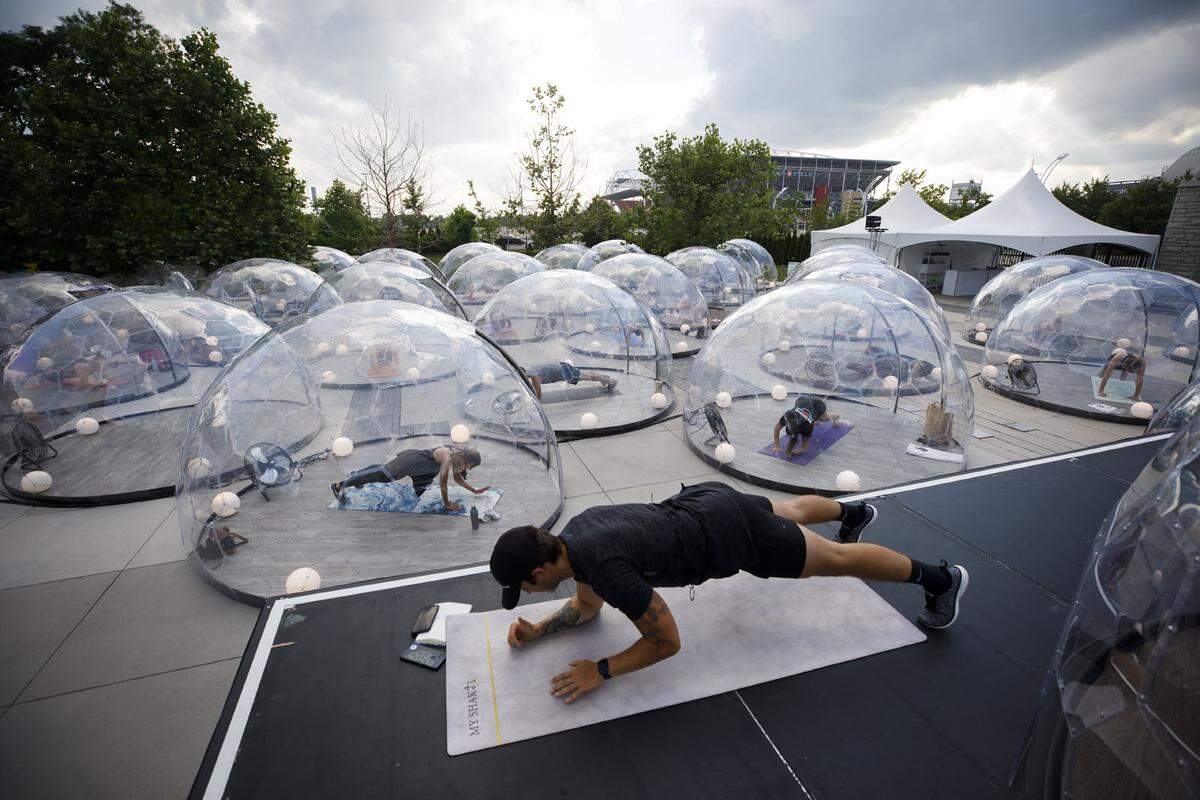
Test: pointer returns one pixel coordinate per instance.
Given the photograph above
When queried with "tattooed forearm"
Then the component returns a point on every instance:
(652, 624)
(566, 617)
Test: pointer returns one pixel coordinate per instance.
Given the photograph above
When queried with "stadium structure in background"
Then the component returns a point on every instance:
(812, 177)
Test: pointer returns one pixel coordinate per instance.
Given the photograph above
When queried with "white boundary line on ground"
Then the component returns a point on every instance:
(223, 766)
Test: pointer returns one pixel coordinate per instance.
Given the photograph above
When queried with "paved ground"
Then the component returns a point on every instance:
(116, 656)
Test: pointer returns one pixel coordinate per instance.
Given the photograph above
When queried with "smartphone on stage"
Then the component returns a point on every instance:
(424, 656)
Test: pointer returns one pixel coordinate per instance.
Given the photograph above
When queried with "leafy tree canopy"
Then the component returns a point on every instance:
(1143, 207)
(119, 145)
(342, 220)
(458, 228)
(705, 189)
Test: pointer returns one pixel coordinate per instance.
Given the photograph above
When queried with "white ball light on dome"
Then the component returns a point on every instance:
(412, 374)
(980, 326)
(488, 379)
(779, 392)
(891, 383)
(21, 405)
(215, 356)
(981, 337)
(211, 341)
(1181, 352)
(1015, 358)
(342, 446)
(226, 504)
(684, 328)
(588, 420)
(847, 481)
(87, 426)
(328, 376)
(36, 482)
(199, 468)
(936, 373)
(768, 359)
(323, 347)
(460, 433)
(725, 452)
(680, 347)
(44, 363)
(724, 400)
(990, 372)
(658, 400)
(341, 350)
(595, 344)
(1124, 343)
(280, 305)
(89, 319)
(1142, 410)
(783, 346)
(305, 579)
(590, 327)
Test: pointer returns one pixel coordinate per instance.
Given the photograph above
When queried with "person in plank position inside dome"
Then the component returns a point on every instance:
(800, 422)
(619, 554)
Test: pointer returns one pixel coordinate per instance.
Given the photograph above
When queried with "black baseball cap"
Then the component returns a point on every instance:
(514, 558)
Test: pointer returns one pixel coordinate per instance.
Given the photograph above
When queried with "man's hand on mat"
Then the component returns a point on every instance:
(520, 632)
(582, 678)
(481, 491)
(452, 506)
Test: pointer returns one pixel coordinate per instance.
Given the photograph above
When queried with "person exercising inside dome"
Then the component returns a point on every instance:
(564, 371)
(1124, 362)
(800, 421)
(620, 554)
(423, 467)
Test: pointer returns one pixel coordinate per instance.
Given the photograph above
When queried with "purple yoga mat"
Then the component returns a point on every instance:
(824, 437)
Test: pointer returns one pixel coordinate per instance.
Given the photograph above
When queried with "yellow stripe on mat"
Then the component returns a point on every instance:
(487, 635)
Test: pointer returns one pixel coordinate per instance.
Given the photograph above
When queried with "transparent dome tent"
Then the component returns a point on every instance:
(272, 290)
(614, 247)
(384, 280)
(328, 260)
(834, 256)
(568, 256)
(669, 294)
(273, 434)
(889, 279)
(1110, 344)
(185, 277)
(754, 257)
(1120, 710)
(27, 297)
(398, 255)
(462, 254)
(891, 376)
(596, 355)
(1178, 412)
(1001, 293)
(477, 281)
(723, 282)
(97, 396)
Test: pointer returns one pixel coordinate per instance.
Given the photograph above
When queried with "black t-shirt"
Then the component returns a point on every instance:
(794, 421)
(622, 551)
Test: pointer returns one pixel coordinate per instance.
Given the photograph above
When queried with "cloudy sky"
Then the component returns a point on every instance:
(962, 90)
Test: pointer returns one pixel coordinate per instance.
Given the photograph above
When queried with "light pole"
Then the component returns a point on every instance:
(1046, 172)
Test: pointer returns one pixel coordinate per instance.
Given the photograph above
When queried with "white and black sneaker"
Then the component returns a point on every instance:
(942, 609)
(850, 534)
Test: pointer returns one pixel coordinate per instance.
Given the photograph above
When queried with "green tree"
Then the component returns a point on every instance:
(487, 225)
(458, 228)
(342, 221)
(704, 190)
(1144, 207)
(1087, 198)
(119, 145)
(971, 200)
(414, 219)
(599, 221)
(551, 168)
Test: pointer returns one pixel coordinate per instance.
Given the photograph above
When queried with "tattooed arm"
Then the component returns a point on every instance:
(585, 605)
(660, 639)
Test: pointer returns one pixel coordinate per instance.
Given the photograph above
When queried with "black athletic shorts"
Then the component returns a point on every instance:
(778, 548)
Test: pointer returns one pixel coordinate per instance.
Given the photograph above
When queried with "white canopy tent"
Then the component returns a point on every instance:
(905, 212)
(1027, 218)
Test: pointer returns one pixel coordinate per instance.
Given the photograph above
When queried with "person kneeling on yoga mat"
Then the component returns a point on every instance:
(564, 371)
(619, 554)
(424, 467)
(801, 420)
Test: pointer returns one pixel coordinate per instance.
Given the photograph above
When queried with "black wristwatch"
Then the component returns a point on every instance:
(602, 668)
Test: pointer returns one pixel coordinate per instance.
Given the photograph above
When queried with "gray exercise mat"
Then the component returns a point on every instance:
(738, 632)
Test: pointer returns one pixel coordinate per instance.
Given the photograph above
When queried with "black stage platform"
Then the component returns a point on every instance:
(322, 707)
